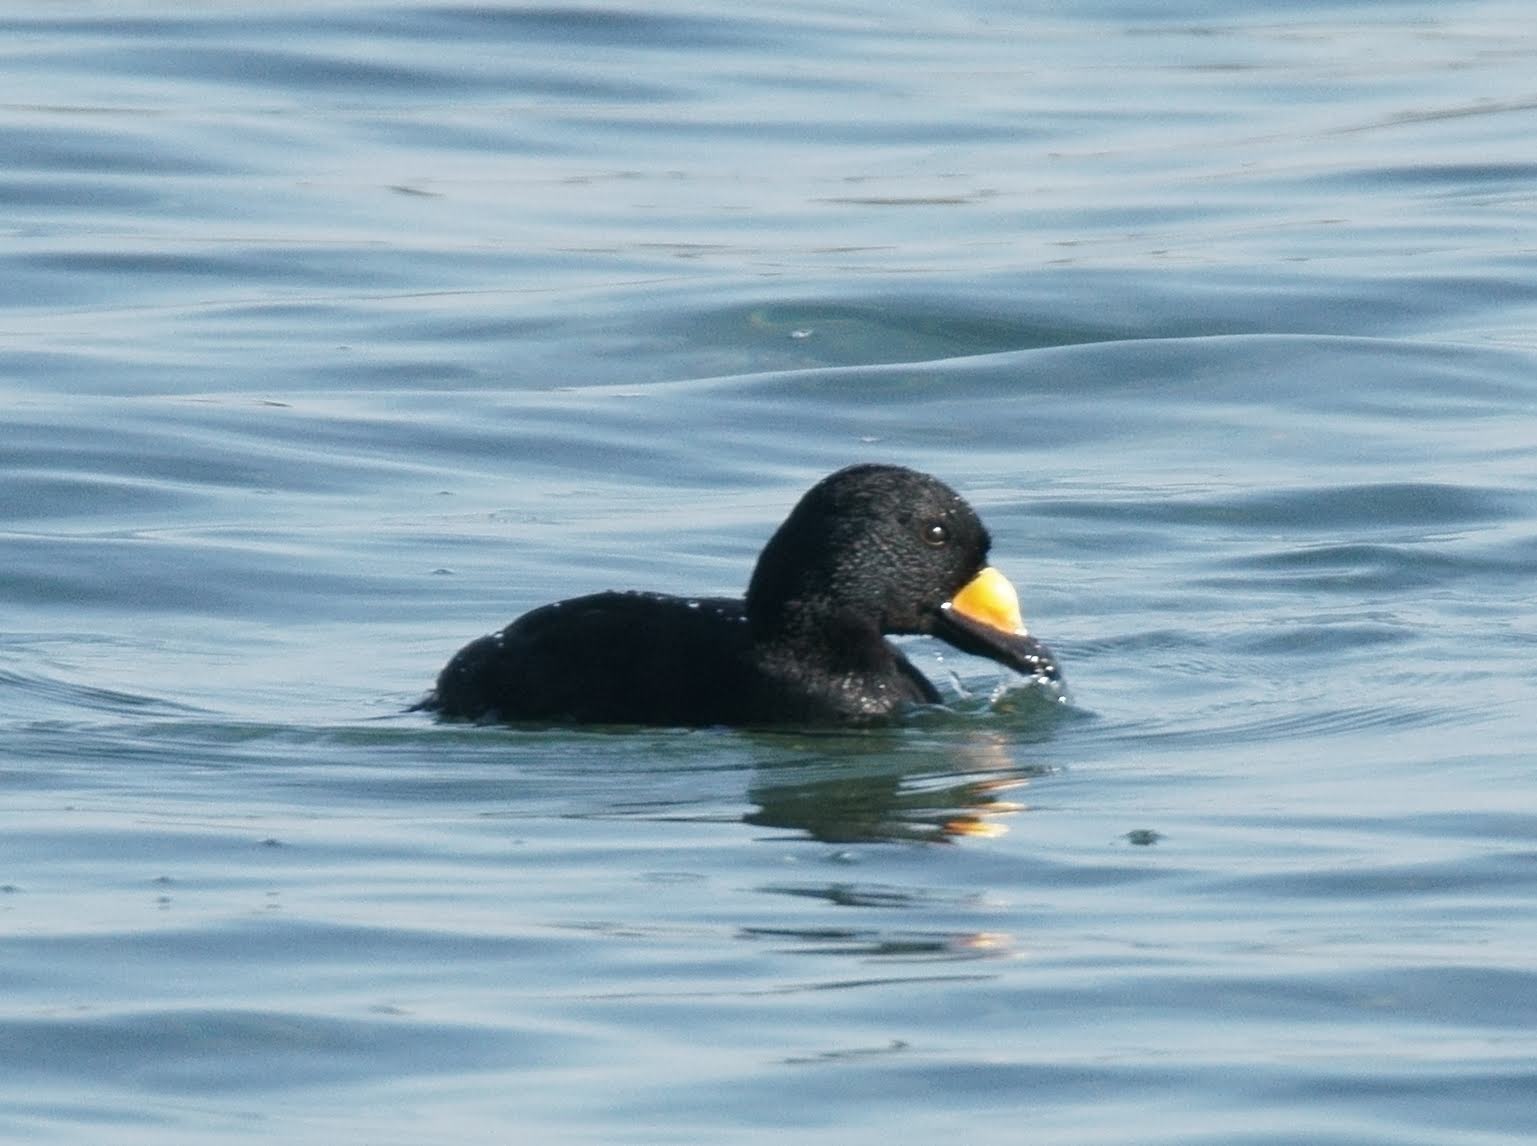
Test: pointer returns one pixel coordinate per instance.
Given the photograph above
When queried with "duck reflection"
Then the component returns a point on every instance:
(875, 943)
(885, 787)
(939, 779)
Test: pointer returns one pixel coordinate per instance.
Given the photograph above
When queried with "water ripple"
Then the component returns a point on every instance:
(200, 1050)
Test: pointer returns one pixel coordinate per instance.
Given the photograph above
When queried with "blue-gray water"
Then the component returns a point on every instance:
(336, 334)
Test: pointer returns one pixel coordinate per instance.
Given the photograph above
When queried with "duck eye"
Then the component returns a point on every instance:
(935, 534)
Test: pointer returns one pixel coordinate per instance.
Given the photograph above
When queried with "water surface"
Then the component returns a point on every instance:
(335, 335)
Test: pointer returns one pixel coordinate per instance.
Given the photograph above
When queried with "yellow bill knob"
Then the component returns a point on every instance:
(989, 599)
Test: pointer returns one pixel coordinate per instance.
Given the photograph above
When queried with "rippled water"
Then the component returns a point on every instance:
(336, 334)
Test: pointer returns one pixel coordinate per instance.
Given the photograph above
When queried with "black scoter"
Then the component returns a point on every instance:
(868, 551)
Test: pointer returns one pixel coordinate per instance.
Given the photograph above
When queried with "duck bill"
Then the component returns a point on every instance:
(983, 619)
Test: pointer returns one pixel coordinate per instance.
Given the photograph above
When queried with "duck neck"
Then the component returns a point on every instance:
(837, 639)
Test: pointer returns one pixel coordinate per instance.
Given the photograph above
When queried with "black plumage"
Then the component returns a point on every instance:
(869, 551)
